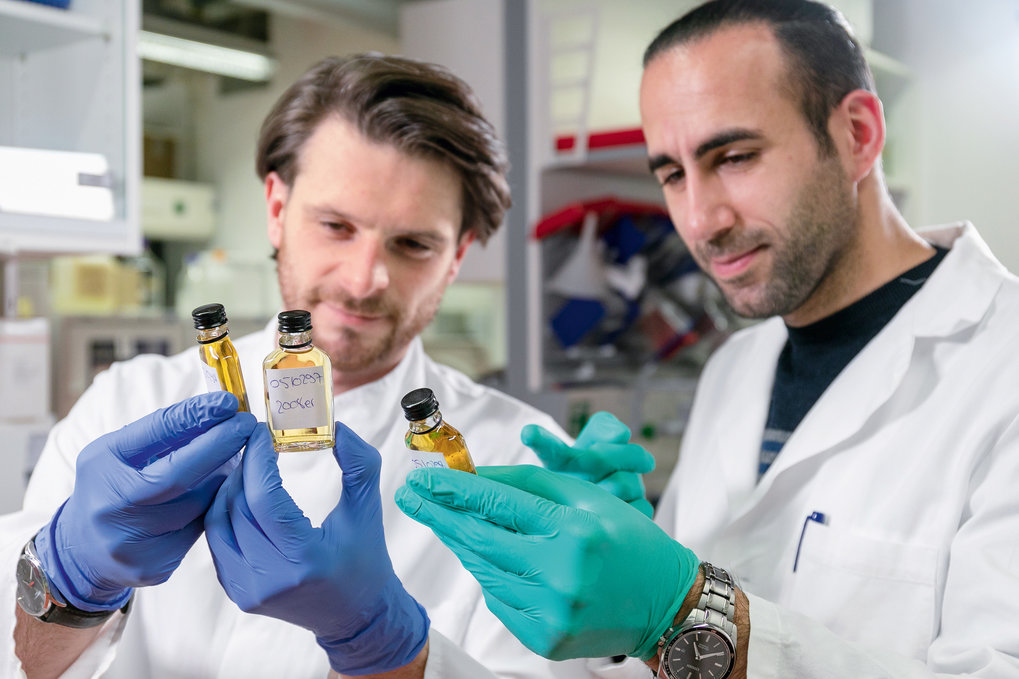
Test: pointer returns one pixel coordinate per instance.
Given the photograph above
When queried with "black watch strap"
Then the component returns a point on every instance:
(58, 611)
(70, 616)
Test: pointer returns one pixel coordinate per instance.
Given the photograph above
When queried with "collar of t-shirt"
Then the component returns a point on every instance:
(815, 354)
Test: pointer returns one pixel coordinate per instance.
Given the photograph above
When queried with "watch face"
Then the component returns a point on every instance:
(31, 590)
(698, 654)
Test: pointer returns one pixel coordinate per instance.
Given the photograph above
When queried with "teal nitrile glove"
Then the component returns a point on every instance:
(571, 570)
(602, 454)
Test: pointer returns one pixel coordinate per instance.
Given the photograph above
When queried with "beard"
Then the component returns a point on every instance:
(354, 350)
(820, 230)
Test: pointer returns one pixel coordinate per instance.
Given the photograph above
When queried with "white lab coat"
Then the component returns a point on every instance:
(187, 627)
(912, 456)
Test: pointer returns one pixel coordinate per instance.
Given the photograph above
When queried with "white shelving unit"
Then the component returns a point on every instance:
(70, 80)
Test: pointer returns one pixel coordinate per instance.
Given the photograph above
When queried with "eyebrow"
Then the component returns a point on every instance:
(721, 139)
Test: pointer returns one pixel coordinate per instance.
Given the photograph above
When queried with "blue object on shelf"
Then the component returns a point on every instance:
(575, 319)
(62, 4)
(624, 239)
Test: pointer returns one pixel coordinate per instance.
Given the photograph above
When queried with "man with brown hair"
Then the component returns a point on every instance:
(379, 172)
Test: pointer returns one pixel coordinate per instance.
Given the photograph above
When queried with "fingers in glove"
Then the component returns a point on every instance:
(602, 427)
(263, 504)
(167, 429)
(485, 548)
(188, 466)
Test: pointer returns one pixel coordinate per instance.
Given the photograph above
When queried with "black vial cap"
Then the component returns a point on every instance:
(209, 316)
(419, 404)
(297, 320)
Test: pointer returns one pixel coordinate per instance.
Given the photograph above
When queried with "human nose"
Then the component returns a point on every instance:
(709, 212)
(365, 271)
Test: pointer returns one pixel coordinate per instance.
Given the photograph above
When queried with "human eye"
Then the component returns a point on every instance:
(337, 227)
(670, 175)
(413, 247)
(738, 157)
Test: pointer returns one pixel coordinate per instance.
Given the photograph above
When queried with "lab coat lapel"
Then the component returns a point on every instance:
(748, 397)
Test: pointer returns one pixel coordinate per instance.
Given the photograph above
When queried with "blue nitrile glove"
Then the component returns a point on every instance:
(335, 580)
(140, 495)
(571, 570)
(602, 454)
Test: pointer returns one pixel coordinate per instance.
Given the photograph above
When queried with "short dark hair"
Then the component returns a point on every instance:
(825, 60)
(420, 109)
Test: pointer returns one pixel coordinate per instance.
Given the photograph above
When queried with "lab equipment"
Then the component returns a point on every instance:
(298, 388)
(220, 364)
(433, 442)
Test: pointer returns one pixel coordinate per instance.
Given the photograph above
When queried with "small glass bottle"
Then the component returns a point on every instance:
(220, 363)
(298, 388)
(431, 440)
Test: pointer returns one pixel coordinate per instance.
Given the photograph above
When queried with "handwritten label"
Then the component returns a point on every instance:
(211, 377)
(297, 398)
(420, 458)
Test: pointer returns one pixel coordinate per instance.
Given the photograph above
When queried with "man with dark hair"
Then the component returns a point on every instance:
(379, 172)
(845, 501)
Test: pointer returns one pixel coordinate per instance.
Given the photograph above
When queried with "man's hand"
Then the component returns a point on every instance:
(570, 569)
(140, 495)
(336, 580)
(602, 454)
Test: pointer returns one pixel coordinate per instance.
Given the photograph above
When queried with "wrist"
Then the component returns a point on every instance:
(67, 579)
(391, 638)
(714, 615)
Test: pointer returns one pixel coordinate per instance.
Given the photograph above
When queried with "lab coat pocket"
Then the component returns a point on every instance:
(867, 589)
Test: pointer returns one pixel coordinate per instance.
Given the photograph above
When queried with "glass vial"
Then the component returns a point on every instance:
(298, 388)
(432, 441)
(220, 363)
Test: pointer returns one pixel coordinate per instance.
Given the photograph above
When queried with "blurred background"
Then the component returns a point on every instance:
(586, 299)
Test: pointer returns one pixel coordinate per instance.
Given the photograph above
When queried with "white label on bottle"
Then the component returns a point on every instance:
(420, 459)
(211, 377)
(297, 398)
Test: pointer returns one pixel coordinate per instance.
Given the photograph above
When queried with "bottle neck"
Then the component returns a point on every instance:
(426, 424)
(207, 335)
(295, 341)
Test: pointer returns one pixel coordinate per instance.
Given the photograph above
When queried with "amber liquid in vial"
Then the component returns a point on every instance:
(221, 356)
(218, 352)
(295, 391)
(429, 433)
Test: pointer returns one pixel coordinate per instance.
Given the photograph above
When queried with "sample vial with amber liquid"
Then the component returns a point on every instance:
(433, 442)
(298, 388)
(220, 363)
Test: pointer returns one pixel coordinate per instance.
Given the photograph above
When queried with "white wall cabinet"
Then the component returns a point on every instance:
(70, 82)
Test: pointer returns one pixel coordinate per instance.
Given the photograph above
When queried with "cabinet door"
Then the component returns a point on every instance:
(70, 82)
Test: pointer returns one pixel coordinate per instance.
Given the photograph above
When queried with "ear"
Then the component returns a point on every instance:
(276, 195)
(458, 258)
(859, 132)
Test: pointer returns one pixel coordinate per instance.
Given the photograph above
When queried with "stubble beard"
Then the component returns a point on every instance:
(821, 228)
(349, 350)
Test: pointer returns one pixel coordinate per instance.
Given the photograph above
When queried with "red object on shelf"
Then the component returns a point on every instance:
(609, 209)
(601, 140)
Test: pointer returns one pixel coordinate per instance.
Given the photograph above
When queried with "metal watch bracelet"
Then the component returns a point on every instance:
(716, 607)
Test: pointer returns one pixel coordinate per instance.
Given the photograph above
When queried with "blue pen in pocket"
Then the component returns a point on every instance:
(816, 517)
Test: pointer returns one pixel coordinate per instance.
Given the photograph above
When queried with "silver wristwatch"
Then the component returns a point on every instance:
(703, 646)
(39, 599)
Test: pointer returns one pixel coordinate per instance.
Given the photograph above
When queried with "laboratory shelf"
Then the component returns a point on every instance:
(28, 27)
